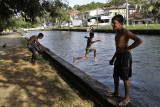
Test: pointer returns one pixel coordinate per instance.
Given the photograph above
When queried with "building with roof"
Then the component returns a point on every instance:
(104, 15)
(73, 14)
(114, 10)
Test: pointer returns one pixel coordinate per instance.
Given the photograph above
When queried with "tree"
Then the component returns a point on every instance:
(155, 9)
(58, 12)
(29, 9)
(87, 7)
(115, 2)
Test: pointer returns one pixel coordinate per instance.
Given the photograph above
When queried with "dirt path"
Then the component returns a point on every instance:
(24, 85)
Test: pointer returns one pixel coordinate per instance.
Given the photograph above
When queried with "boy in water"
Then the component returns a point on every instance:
(123, 62)
(34, 39)
(88, 48)
(91, 29)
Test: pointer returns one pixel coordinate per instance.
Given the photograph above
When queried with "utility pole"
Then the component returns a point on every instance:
(69, 15)
(127, 12)
(97, 16)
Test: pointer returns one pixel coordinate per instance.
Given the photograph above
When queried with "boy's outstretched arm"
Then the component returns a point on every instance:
(86, 37)
(137, 41)
(41, 46)
(45, 48)
(96, 41)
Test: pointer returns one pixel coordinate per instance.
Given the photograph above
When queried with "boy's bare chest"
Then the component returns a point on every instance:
(89, 42)
(121, 40)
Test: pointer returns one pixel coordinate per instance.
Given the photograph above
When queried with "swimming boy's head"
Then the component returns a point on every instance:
(40, 35)
(117, 22)
(91, 34)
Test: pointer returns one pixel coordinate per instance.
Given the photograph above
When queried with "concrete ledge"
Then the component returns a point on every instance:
(147, 32)
(93, 88)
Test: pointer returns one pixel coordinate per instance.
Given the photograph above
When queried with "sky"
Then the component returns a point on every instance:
(82, 2)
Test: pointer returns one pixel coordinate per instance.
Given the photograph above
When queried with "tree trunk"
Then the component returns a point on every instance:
(140, 8)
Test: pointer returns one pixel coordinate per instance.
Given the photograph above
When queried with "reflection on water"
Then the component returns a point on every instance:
(145, 83)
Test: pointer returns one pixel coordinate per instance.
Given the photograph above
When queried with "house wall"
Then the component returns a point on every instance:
(82, 16)
(87, 14)
(114, 12)
(96, 12)
(93, 12)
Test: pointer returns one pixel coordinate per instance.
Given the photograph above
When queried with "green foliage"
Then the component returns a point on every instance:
(17, 22)
(57, 12)
(28, 9)
(154, 9)
(87, 7)
(116, 2)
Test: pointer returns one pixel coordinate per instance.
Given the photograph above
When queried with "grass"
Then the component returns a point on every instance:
(144, 27)
(130, 27)
(23, 40)
(137, 27)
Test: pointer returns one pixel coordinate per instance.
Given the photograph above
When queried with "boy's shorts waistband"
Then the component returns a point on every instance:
(123, 53)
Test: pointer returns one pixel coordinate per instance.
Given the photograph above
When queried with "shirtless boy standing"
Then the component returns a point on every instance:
(34, 39)
(123, 62)
(89, 43)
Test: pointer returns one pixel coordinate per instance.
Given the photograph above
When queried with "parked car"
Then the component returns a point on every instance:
(89, 22)
(14, 30)
(77, 22)
(66, 25)
(86, 23)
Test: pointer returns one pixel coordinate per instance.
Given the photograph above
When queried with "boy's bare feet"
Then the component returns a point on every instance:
(124, 102)
(31, 60)
(114, 95)
(95, 60)
(36, 64)
(74, 59)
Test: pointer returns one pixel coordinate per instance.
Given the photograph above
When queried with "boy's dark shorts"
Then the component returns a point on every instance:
(88, 50)
(123, 66)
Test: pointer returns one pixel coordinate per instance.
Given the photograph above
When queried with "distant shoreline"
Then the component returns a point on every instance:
(141, 32)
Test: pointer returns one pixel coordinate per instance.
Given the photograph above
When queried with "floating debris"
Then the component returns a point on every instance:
(5, 45)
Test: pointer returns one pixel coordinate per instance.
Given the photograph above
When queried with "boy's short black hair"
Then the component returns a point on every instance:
(118, 17)
(91, 34)
(40, 34)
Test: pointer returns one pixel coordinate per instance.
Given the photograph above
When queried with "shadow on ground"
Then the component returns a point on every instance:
(22, 84)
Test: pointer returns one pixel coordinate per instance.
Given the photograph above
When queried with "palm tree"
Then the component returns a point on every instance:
(136, 2)
(155, 10)
(139, 4)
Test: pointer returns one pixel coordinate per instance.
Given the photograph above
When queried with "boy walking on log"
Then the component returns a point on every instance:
(88, 48)
(123, 62)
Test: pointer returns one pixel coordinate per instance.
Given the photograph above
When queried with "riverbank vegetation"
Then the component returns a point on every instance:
(131, 27)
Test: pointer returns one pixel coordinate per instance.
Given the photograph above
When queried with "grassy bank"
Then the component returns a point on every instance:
(130, 27)
(109, 27)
